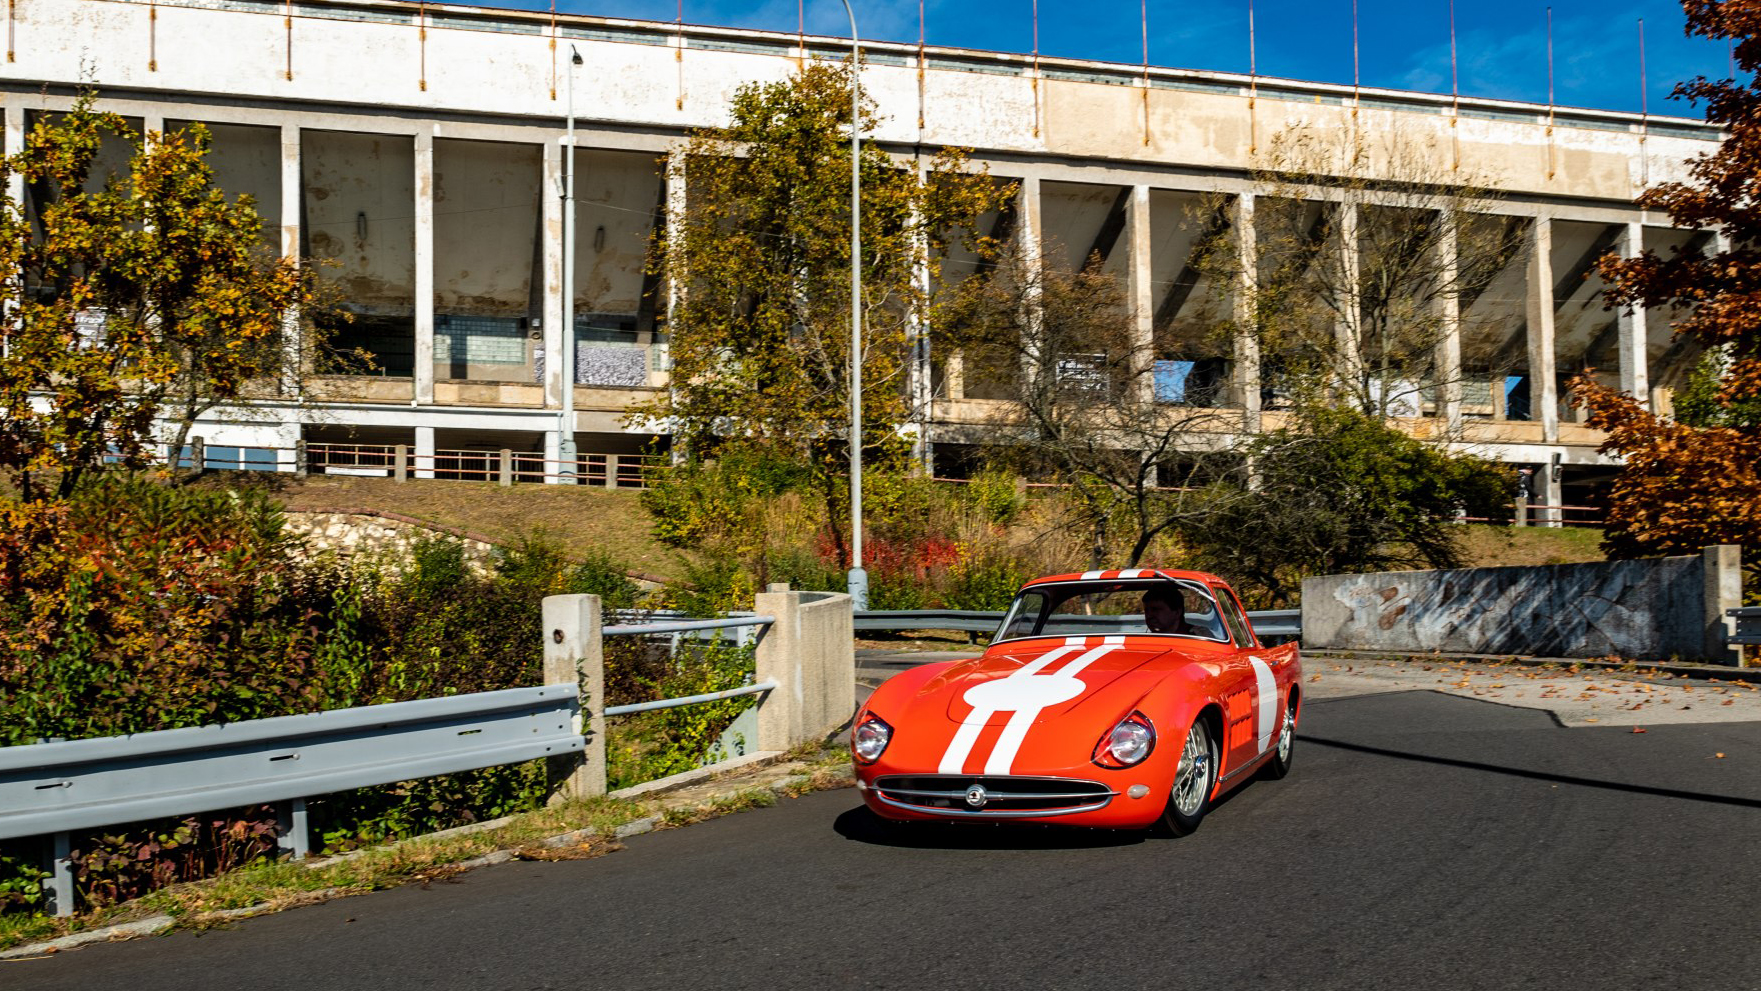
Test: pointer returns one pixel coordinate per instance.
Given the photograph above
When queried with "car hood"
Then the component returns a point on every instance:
(1049, 677)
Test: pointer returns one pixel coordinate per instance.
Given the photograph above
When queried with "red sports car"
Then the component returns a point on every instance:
(1123, 699)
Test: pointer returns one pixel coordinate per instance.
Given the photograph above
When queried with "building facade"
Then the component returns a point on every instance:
(415, 151)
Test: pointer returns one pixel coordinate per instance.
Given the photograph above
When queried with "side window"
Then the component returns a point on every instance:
(1023, 618)
(1232, 616)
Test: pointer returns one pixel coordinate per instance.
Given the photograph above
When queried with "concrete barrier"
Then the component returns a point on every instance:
(1651, 609)
(809, 651)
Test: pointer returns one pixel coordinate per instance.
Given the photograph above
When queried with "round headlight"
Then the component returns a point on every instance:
(1129, 742)
(870, 738)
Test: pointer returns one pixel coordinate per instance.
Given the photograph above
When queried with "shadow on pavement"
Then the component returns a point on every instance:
(1564, 779)
(862, 825)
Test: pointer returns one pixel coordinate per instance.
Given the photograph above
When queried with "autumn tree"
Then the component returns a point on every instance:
(1695, 479)
(758, 262)
(139, 297)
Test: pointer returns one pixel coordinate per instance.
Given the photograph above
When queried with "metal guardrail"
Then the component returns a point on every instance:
(55, 788)
(1748, 629)
(684, 626)
(1282, 624)
(623, 710)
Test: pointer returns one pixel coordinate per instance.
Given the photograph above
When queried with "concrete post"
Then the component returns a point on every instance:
(302, 467)
(1522, 512)
(954, 375)
(921, 377)
(1543, 376)
(1143, 295)
(1635, 375)
(611, 471)
(292, 196)
(1348, 334)
(810, 653)
(400, 469)
(1448, 379)
(424, 452)
(424, 207)
(574, 653)
(198, 455)
(1722, 578)
(1247, 338)
(506, 473)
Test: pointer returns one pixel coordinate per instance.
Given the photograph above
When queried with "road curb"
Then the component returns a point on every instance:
(1702, 672)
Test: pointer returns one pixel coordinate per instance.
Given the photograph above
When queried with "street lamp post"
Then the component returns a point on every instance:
(565, 445)
(858, 583)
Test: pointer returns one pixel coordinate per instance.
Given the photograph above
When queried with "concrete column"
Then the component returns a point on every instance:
(425, 266)
(921, 374)
(152, 124)
(13, 144)
(1722, 575)
(424, 452)
(400, 463)
(1029, 245)
(574, 654)
(1552, 495)
(1635, 375)
(292, 197)
(954, 375)
(1447, 387)
(1246, 374)
(551, 275)
(1143, 295)
(552, 454)
(1348, 334)
(676, 205)
(1543, 379)
(14, 138)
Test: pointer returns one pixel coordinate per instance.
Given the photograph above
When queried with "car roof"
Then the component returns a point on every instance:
(1118, 573)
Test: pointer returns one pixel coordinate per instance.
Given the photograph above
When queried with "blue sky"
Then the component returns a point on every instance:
(1501, 45)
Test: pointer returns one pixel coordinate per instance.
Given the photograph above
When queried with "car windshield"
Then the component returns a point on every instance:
(1169, 607)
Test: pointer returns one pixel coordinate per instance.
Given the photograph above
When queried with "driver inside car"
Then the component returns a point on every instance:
(1164, 610)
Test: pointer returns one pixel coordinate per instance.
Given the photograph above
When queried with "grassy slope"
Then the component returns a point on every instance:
(583, 518)
(587, 518)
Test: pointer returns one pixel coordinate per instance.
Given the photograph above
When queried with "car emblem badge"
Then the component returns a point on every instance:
(976, 796)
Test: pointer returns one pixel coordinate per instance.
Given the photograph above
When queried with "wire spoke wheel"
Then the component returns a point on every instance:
(1192, 782)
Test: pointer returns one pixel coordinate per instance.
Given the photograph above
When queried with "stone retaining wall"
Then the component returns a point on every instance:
(352, 533)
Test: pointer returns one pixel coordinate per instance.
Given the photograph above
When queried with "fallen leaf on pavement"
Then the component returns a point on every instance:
(1638, 729)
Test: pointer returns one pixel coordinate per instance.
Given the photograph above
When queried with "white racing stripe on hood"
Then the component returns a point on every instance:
(1032, 693)
(960, 748)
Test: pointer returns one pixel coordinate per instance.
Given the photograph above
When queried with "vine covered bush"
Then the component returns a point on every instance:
(136, 606)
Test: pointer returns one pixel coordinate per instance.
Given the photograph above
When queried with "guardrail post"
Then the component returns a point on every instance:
(58, 886)
(400, 463)
(574, 652)
(1722, 581)
(293, 834)
(810, 653)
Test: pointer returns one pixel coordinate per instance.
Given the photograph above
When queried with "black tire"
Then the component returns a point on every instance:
(1195, 777)
(1285, 749)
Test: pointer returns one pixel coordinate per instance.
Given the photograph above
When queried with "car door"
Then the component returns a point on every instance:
(1256, 691)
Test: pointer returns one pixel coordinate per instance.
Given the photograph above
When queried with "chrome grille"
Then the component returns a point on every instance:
(1006, 796)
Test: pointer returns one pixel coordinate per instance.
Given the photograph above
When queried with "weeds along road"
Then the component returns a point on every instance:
(1421, 841)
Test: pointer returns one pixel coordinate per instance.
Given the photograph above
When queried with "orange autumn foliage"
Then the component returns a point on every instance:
(1685, 485)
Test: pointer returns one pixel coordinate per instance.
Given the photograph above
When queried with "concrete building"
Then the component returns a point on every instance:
(415, 149)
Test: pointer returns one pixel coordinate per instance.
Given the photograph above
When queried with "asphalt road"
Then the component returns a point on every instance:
(1421, 841)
